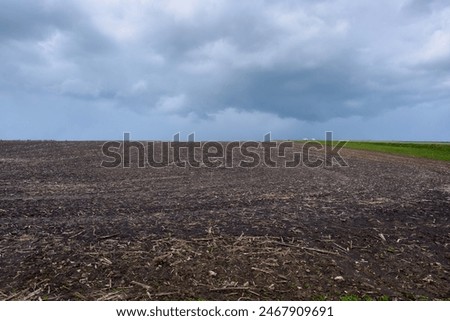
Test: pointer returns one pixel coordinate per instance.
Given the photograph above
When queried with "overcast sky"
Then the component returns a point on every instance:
(93, 69)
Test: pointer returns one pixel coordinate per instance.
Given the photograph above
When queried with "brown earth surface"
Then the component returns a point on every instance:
(72, 230)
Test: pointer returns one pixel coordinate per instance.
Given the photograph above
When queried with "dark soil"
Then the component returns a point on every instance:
(72, 230)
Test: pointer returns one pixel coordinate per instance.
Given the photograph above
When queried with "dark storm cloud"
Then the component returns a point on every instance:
(23, 20)
(304, 60)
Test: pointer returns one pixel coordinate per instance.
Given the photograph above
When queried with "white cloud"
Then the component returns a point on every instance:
(170, 104)
(436, 49)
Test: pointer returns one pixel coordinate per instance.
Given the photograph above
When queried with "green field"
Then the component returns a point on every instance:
(439, 151)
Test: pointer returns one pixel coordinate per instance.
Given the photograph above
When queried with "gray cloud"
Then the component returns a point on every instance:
(309, 61)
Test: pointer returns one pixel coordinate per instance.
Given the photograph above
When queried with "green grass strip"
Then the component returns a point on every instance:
(438, 151)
